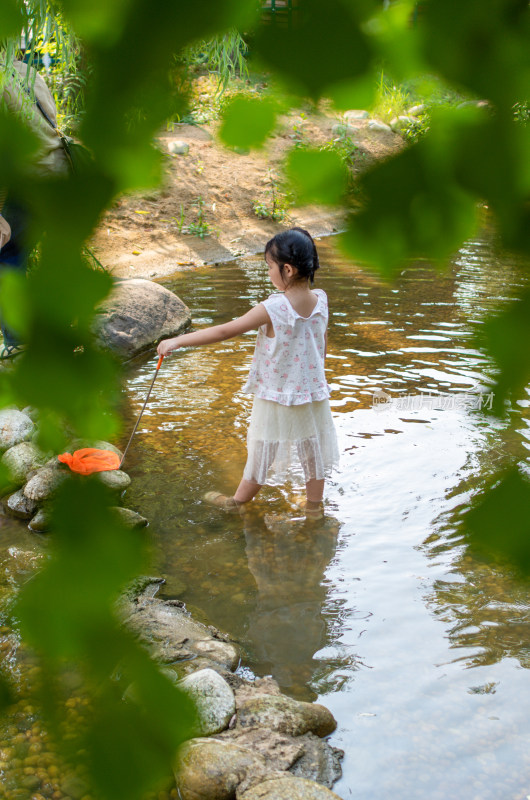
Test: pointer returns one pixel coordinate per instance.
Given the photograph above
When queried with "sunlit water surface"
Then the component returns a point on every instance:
(420, 652)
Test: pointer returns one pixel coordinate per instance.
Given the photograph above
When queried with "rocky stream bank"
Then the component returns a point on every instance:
(251, 742)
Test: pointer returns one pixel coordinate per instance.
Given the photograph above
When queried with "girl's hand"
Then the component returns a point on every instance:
(167, 346)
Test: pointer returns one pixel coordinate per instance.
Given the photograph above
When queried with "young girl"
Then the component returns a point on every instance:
(291, 427)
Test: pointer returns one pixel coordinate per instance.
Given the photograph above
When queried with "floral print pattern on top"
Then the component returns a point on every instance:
(289, 368)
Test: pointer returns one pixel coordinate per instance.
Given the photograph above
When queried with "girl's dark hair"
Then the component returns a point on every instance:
(297, 248)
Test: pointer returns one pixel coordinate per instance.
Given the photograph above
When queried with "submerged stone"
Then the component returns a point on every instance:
(41, 522)
(130, 518)
(75, 787)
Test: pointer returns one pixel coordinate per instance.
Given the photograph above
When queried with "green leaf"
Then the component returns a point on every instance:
(18, 147)
(492, 160)
(130, 745)
(14, 302)
(415, 206)
(353, 93)
(506, 337)
(247, 122)
(325, 46)
(11, 19)
(484, 50)
(94, 557)
(497, 526)
(7, 694)
(134, 744)
(397, 41)
(316, 176)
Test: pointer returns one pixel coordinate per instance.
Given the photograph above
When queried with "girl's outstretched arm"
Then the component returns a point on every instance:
(253, 319)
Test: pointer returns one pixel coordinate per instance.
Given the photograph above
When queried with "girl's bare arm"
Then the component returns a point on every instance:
(253, 319)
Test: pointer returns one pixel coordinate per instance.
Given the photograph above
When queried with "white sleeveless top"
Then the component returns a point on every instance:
(289, 368)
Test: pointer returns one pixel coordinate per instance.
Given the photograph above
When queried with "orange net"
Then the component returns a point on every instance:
(89, 460)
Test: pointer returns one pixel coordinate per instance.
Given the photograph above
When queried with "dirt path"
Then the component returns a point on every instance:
(144, 236)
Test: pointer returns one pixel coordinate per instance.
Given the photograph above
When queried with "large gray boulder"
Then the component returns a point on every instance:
(20, 460)
(136, 315)
(15, 427)
(213, 698)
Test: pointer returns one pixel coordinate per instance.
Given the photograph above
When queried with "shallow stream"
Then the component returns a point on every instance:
(379, 612)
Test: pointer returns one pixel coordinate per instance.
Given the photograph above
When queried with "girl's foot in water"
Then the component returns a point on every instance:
(222, 501)
(313, 510)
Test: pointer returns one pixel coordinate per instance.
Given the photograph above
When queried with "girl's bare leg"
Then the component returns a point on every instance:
(314, 491)
(246, 491)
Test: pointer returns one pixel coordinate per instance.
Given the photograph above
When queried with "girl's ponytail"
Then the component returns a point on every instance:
(295, 247)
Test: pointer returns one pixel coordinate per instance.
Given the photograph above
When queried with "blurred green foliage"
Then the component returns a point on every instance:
(317, 176)
(420, 203)
(259, 117)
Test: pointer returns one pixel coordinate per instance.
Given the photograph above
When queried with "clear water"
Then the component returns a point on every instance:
(380, 613)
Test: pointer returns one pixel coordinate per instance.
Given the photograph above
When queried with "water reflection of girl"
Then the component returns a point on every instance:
(288, 561)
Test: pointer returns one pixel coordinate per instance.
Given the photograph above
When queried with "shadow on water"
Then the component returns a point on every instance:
(419, 650)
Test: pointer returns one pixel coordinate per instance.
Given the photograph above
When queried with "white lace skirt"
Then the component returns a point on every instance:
(290, 443)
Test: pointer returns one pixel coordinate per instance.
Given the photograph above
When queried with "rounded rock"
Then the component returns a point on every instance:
(136, 314)
(130, 518)
(221, 652)
(355, 114)
(210, 769)
(21, 506)
(213, 698)
(15, 427)
(74, 786)
(288, 788)
(340, 129)
(398, 123)
(79, 444)
(40, 523)
(285, 715)
(20, 460)
(376, 125)
(178, 148)
(44, 483)
(417, 110)
(115, 479)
